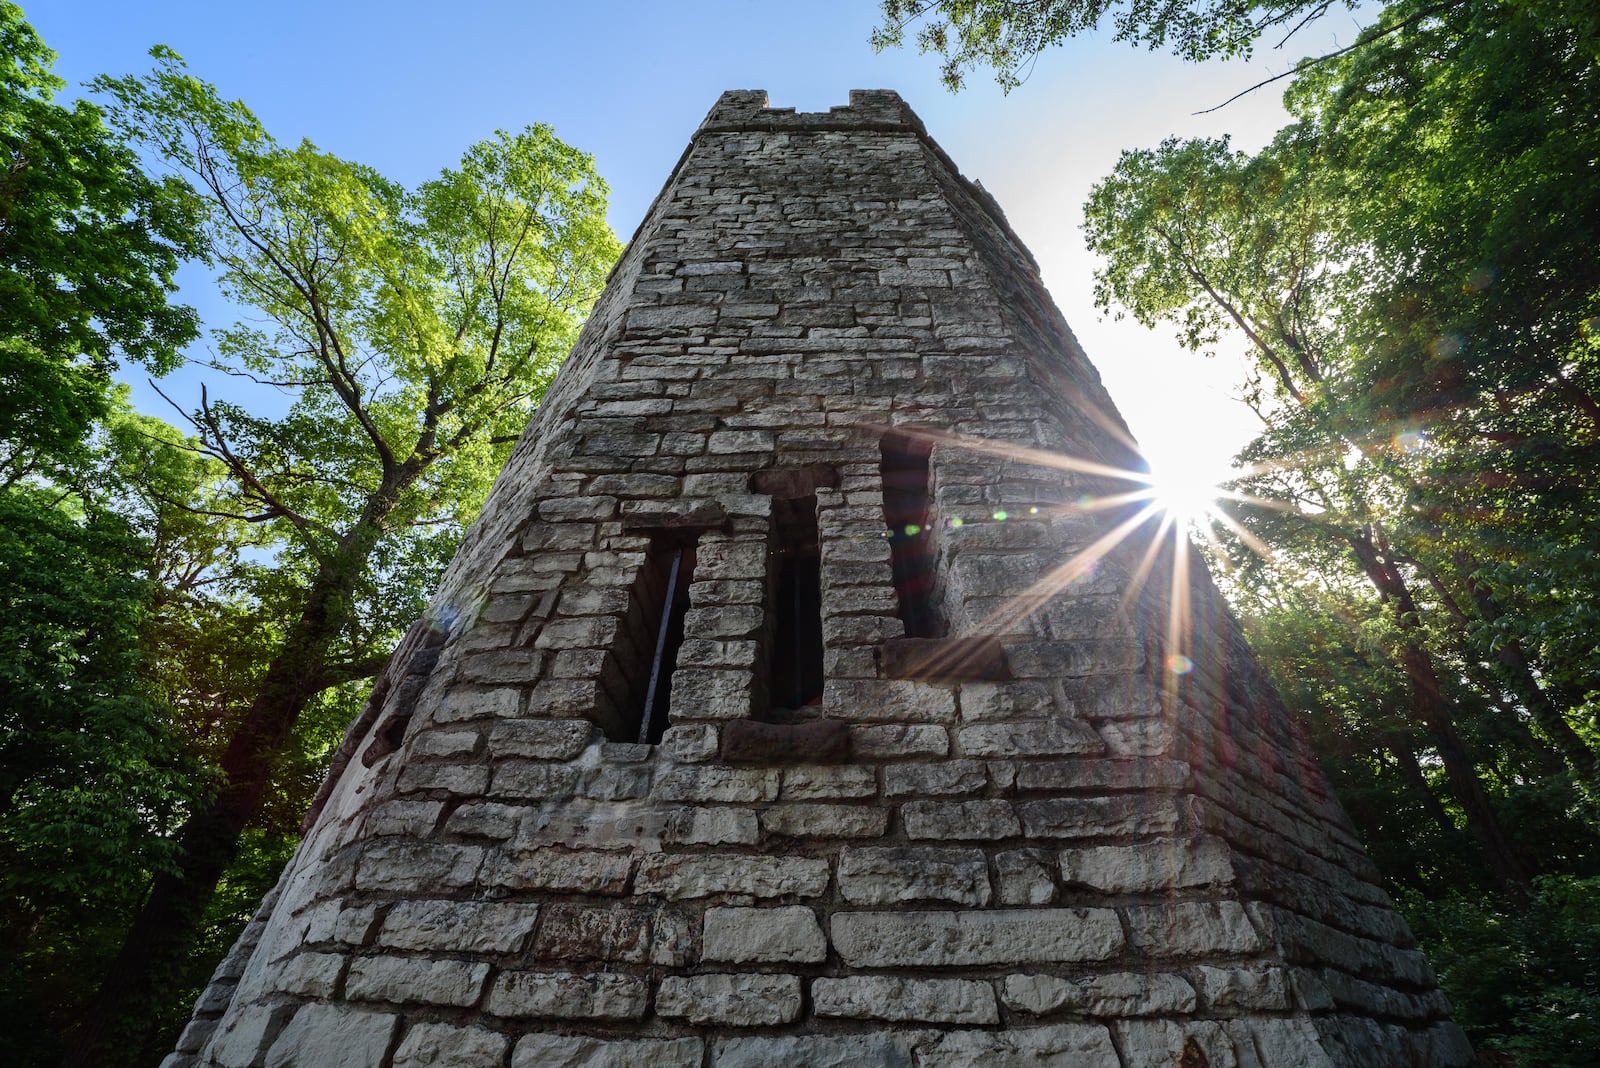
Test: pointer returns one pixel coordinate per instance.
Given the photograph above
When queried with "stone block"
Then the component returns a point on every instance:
(890, 876)
(1095, 817)
(1159, 864)
(1108, 994)
(1243, 988)
(946, 778)
(408, 980)
(896, 742)
(711, 693)
(594, 932)
(743, 785)
(333, 1036)
(541, 739)
(966, 820)
(744, 1000)
(413, 819)
(785, 933)
(1000, 936)
(1192, 928)
(691, 743)
(712, 826)
(464, 926)
(1022, 877)
(843, 781)
(539, 782)
(1076, 1045)
(411, 866)
(679, 877)
(884, 997)
(485, 819)
(462, 779)
(563, 1051)
(887, 700)
(561, 871)
(807, 820)
(746, 741)
(438, 1045)
(1025, 738)
(567, 996)
(312, 975)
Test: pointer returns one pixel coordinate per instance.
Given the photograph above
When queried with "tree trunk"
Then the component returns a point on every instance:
(1433, 711)
(152, 961)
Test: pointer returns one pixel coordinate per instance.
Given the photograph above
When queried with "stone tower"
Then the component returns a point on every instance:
(793, 701)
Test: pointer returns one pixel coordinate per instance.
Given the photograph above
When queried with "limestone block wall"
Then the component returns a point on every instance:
(1023, 842)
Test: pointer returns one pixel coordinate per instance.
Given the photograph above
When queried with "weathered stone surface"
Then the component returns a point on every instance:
(759, 876)
(416, 980)
(745, 1000)
(747, 741)
(1058, 737)
(561, 1051)
(1022, 877)
(333, 1036)
(847, 781)
(888, 876)
(412, 866)
(563, 871)
(1192, 928)
(437, 1045)
(467, 779)
(883, 997)
(486, 819)
(712, 826)
(1093, 817)
(312, 975)
(1106, 994)
(1061, 1046)
(948, 777)
(895, 742)
(972, 657)
(787, 933)
(1243, 988)
(540, 739)
(1001, 936)
(564, 995)
(889, 1049)
(969, 820)
(539, 782)
(594, 932)
(990, 700)
(1161, 864)
(804, 820)
(717, 784)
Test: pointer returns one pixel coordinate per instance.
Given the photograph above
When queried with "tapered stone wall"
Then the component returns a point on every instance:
(1022, 841)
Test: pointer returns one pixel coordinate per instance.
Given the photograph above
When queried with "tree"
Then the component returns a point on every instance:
(1409, 266)
(1008, 35)
(413, 332)
(88, 246)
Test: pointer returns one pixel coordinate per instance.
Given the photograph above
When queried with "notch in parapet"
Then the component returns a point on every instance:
(747, 109)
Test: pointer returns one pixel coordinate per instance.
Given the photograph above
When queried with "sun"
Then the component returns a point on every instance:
(1186, 492)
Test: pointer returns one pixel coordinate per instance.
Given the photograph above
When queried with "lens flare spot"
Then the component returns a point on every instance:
(1000, 517)
(1178, 664)
(1409, 440)
(1445, 346)
(912, 530)
(1033, 511)
(1478, 279)
(954, 522)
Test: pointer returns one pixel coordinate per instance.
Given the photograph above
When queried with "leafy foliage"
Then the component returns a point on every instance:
(1409, 267)
(1008, 35)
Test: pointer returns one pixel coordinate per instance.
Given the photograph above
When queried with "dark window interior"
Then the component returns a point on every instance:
(795, 676)
(652, 635)
(912, 552)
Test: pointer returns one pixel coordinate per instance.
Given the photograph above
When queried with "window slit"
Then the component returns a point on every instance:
(648, 655)
(912, 550)
(795, 665)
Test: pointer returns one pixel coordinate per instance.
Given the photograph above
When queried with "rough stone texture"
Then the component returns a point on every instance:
(882, 997)
(738, 935)
(497, 870)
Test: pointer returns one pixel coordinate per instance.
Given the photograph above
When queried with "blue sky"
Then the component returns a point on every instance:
(405, 86)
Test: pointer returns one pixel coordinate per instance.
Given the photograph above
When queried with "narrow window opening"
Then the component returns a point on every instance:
(647, 655)
(795, 665)
(913, 553)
